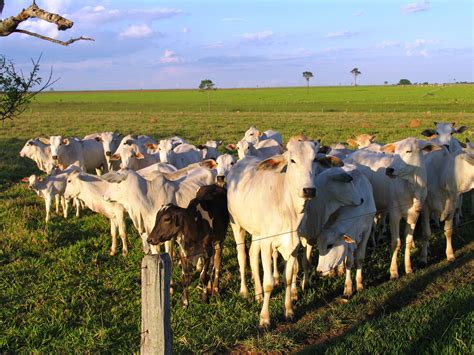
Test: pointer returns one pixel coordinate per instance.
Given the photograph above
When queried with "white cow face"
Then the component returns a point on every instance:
(464, 167)
(243, 148)
(340, 185)
(29, 149)
(224, 163)
(443, 134)
(252, 135)
(72, 186)
(165, 149)
(127, 155)
(301, 167)
(333, 248)
(107, 139)
(57, 143)
(408, 156)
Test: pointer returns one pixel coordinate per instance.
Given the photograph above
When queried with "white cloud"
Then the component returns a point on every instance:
(418, 47)
(215, 45)
(170, 57)
(358, 13)
(386, 44)
(185, 30)
(257, 36)
(137, 31)
(341, 34)
(415, 7)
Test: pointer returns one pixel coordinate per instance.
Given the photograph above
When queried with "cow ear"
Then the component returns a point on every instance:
(44, 140)
(372, 137)
(25, 179)
(219, 143)
(342, 177)
(428, 146)
(260, 133)
(352, 142)
(201, 146)
(428, 132)
(348, 239)
(461, 129)
(138, 155)
(329, 161)
(40, 178)
(151, 146)
(115, 157)
(66, 141)
(209, 163)
(231, 147)
(389, 148)
(275, 163)
(98, 139)
(129, 142)
(324, 149)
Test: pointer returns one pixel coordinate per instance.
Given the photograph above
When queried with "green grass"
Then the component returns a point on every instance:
(60, 291)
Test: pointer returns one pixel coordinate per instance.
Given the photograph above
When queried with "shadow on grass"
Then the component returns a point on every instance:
(401, 299)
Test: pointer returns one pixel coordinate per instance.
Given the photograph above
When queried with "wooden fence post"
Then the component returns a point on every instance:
(156, 335)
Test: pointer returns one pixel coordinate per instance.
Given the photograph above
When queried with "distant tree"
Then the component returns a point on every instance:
(307, 75)
(385, 82)
(207, 85)
(355, 73)
(17, 90)
(404, 82)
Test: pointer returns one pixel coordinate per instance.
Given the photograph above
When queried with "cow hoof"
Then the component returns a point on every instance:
(276, 283)
(124, 252)
(290, 317)
(394, 276)
(264, 325)
(244, 293)
(451, 258)
(347, 296)
(112, 253)
(185, 305)
(259, 298)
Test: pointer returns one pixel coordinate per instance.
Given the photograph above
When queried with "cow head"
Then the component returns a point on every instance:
(362, 140)
(252, 135)
(57, 143)
(243, 148)
(73, 189)
(443, 134)
(333, 248)
(165, 149)
(168, 224)
(408, 156)
(340, 186)
(224, 163)
(128, 154)
(107, 139)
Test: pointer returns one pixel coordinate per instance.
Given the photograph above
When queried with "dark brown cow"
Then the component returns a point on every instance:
(203, 226)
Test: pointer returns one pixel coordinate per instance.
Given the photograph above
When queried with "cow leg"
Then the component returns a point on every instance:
(78, 206)
(276, 274)
(348, 282)
(47, 202)
(239, 236)
(306, 264)
(98, 171)
(217, 267)
(290, 264)
(448, 233)
(123, 234)
(266, 253)
(185, 278)
(395, 243)
(426, 235)
(66, 209)
(458, 211)
(113, 232)
(410, 230)
(56, 203)
(294, 280)
(255, 267)
(63, 205)
(204, 277)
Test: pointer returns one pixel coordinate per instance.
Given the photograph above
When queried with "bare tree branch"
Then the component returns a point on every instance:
(62, 43)
(10, 24)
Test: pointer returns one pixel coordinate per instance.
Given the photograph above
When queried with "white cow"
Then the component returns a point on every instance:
(253, 135)
(89, 154)
(399, 183)
(40, 153)
(225, 162)
(365, 141)
(90, 189)
(339, 150)
(209, 149)
(150, 171)
(140, 142)
(110, 142)
(269, 203)
(131, 158)
(337, 187)
(449, 175)
(344, 238)
(263, 149)
(142, 198)
(443, 135)
(180, 156)
(53, 187)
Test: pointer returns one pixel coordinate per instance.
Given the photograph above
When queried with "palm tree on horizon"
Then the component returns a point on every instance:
(307, 75)
(355, 72)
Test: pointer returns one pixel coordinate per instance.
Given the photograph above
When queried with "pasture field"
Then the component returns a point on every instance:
(60, 291)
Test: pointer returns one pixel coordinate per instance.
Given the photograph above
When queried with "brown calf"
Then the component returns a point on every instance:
(203, 226)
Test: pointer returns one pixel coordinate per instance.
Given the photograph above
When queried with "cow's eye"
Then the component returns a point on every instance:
(293, 161)
(437, 133)
(409, 151)
(69, 181)
(232, 163)
(330, 246)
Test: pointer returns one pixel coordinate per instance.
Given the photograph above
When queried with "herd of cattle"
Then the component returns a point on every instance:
(284, 196)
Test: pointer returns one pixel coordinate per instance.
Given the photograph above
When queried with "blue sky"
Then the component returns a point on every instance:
(146, 44)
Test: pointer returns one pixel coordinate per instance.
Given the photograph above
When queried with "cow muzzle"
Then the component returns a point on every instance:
(55, 157)
(390, 172)
(108, 153)
(220, 179)
(309, 192)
